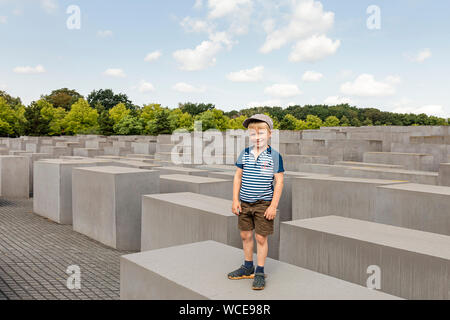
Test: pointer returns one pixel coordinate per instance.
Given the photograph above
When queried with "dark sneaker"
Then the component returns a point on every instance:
(259, 281)
(242, 273)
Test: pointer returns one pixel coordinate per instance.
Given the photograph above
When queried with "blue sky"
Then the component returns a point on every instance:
(233, 53)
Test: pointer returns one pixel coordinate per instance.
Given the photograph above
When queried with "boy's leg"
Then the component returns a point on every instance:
(262, 249)
(247, 244)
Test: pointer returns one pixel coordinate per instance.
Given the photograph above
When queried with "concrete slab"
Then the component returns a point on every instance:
(414, 206)
(444, 174)
(341, 196)
(413, 264)
(53, 188)
(159, 275)
(107, 204)
(187, 183)
(182, 170)
(14, 177)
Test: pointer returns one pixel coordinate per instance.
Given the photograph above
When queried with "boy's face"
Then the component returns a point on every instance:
(259, 134)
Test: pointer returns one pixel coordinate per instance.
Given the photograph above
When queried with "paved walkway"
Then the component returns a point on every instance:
(35, 254)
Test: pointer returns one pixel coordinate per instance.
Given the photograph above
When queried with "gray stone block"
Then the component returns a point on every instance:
(107, 204)
(413, 264)
(444, 174)
(182, 170)
(187, 183)
(14, 177)
(341, 196)
(414, 206)
(198, 271)
(52, 196)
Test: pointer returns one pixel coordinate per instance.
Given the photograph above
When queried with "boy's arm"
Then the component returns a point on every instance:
(278, 189)
(237, 184)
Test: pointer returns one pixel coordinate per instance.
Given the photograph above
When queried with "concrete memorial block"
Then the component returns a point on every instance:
(52, 188)
(422, 177)
(32, 158)
(4, 151)
(182, 170)
(87, 152)
(444, 174)
(107, 204)
(159, 275)
(226, 175)
(143, 156)
(135, 164)
(408, 263)
(144, 147)
(293, 162)
(170, 219)
(57, 151)
(14, 177)
(411, 161)
(414, 206)
(340, 196)
(187, 183)
(366, 164)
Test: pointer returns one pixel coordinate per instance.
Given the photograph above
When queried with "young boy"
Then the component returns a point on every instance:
(255, 200)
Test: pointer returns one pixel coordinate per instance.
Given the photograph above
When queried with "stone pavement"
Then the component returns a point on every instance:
(35, 254)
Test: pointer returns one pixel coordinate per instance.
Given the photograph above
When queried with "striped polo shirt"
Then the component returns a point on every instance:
(258, 174)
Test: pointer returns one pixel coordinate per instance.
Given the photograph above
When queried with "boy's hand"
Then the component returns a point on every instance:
(236, 208)
(270, 213)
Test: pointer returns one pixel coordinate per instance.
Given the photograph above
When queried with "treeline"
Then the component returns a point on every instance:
(66, 112)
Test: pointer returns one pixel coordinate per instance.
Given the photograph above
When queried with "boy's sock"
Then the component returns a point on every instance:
(248, 264)
(259, 269)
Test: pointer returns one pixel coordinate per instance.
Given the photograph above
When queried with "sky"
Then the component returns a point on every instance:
(390, 55)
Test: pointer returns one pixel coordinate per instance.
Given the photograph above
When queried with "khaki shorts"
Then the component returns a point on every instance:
(252, 217)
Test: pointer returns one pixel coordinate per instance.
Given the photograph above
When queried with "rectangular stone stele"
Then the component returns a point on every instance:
(52, 188)
(107, 204)
(186, 183)
(340, 196)
(198, 271)
(14, 177)
(182, 170)
(409, 263)
(415, 206)
(176, 218)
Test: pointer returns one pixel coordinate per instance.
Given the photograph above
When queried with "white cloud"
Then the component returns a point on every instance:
(118, 73)
(3, 19)
(187, 88)
(366, 86)
(104, 33)
(200, 58)
(3, 86)
(198, 4)
(308, 18)
(431, 110)
(283, 90)
(146, 87)
(312, 76)
(196, 25)
(49, 5)
(152, 56)
(421, 56)
(335, 100)
(248, 75)
(313, 49)
(29, 70)
(221, 8)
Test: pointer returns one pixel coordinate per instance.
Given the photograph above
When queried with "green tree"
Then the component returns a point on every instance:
(128, 125)
(106, 124)
(237, 122)
(62, 98)
(331, 121)
(289, 122)
(345, 122)
(81, 119)
(108, 99)
(195, 109)
(14, 117)
(213, 119)
(160, 123)
(118, 112)
(313, 122)
(54, 117)
(10, 100)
